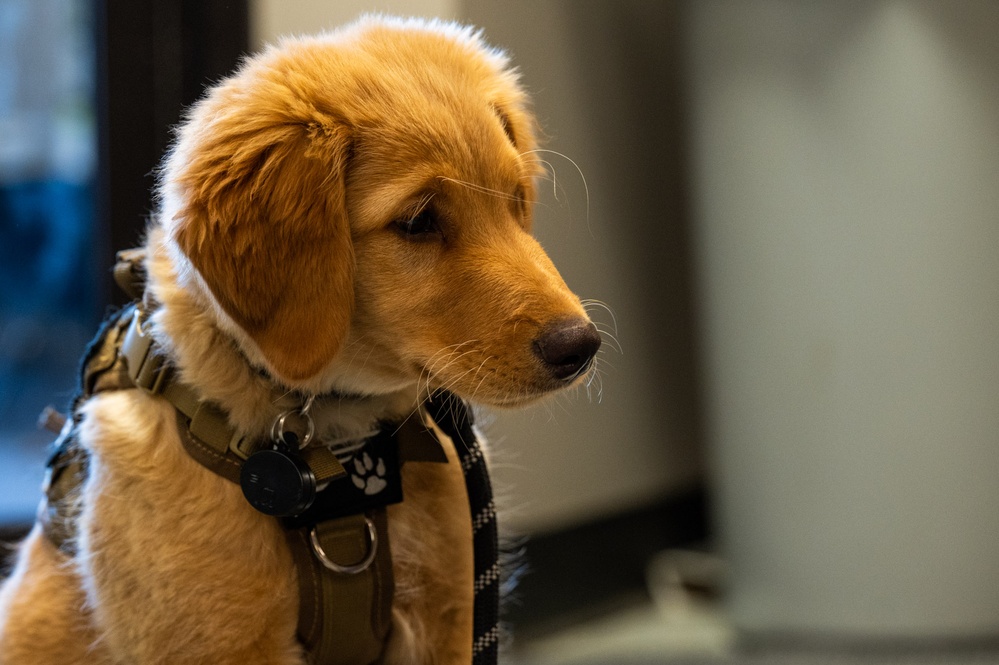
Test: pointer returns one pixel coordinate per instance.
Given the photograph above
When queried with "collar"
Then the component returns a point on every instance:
(329, 396)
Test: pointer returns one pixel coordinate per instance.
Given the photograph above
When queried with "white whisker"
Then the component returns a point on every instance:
(550, 170)
(590, 302)
(589, 306)
(448, 355)
(480, 188)
(479, 384)
(586, 187)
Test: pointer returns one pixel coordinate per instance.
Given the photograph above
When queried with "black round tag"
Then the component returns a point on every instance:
(278, 483)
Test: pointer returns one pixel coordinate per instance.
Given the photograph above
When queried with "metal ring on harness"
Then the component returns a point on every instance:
(351, 569)
(277, 429)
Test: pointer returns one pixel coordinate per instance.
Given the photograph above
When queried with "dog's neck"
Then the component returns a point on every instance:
(209, 359)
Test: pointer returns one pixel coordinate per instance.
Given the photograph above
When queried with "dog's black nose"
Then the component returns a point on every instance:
(567, 347)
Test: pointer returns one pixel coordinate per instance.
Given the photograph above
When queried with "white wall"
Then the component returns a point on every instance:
(847, 171)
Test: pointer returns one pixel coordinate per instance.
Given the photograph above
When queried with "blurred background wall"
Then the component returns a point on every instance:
(845, 162)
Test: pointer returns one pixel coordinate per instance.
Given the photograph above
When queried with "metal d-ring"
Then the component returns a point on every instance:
(351, 569)
(277, 429)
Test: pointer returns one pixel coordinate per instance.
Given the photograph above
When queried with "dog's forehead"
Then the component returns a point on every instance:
(437, 99)
(382, 183)
(376, 64)
(426, 132)
(410, 79)
(421, 106)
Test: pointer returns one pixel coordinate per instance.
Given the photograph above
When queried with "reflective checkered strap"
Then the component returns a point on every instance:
(455, 419)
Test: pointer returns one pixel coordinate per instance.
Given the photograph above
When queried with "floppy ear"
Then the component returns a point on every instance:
(264, 222)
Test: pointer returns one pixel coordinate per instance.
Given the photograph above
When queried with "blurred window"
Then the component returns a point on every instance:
(75, 75)
(48, 280)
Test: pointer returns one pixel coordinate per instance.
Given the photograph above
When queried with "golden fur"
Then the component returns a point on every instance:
(277, 246)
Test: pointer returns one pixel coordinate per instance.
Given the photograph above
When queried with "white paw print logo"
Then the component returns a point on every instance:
(369, 475)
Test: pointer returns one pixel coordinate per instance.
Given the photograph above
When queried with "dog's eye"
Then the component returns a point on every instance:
(423, 223)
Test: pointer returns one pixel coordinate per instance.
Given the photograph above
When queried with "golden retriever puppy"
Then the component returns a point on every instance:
(345, 222)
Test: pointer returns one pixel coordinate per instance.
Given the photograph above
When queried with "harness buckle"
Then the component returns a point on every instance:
(146, 366)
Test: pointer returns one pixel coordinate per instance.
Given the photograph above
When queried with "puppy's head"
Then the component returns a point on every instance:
(357, 209)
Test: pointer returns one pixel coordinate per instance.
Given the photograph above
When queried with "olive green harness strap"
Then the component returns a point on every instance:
(343, 613)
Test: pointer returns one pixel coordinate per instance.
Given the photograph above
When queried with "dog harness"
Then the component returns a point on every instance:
(331, 503)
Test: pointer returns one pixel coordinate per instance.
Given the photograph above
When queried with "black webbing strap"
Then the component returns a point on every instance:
(455, 419)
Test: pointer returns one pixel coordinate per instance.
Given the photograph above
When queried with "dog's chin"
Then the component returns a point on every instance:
(526, 396)
(371, 380)
(511, 403)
